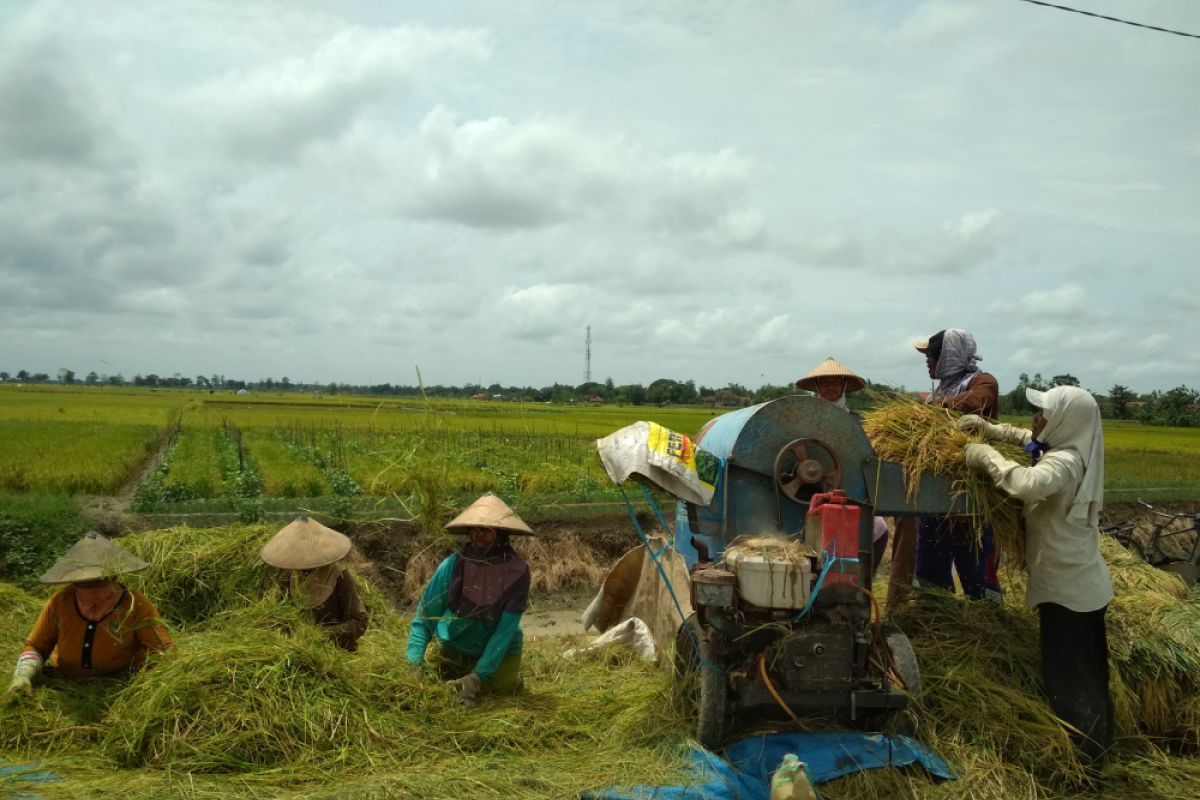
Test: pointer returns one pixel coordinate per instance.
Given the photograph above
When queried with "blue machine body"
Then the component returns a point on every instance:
(747, 500)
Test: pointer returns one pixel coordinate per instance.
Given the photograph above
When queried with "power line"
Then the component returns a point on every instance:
(1111, 19)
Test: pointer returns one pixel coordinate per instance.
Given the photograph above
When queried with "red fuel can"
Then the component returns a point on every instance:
(833, 522)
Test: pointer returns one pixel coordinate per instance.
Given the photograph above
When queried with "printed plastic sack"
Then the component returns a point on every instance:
(661, 456)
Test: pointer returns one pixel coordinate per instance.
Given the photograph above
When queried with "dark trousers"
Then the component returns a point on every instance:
(943, 542)
(1075, 671)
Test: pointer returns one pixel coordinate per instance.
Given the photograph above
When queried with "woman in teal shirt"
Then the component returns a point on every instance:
(473, 604)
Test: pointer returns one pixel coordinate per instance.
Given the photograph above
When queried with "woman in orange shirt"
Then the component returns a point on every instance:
(94, 625)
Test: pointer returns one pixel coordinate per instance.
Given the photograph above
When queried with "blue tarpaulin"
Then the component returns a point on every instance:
(13, 775)
(745, 772)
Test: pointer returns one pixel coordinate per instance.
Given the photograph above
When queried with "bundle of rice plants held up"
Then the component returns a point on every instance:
(924, 439)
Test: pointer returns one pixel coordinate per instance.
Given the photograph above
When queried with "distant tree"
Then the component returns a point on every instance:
(1119, 398)
(92, 378)
(116, 380)
(770, 391)
(22, 375)
(1065, 379)
(66, 375)
(633, 394)
(285, 383)
(661, 391)
(583, 390)
(1015, 402)
(1173, 407)
(39, 377)
(685, 392)
(3, 376)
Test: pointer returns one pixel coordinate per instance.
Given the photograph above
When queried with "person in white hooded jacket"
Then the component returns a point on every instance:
(1069, 584)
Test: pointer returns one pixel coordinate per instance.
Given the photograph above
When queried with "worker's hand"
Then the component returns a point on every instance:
(20, 685)
(971, 423)
(468, 688)
(976, 455)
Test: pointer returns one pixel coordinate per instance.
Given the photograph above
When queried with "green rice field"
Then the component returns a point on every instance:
(97, 440)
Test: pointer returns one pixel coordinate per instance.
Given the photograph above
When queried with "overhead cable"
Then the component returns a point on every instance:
(1112, 19)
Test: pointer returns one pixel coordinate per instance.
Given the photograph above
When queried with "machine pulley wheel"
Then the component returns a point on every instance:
(799, 469)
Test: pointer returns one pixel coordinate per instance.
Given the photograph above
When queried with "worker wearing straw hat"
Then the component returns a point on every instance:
(94, 625)
(1069, 584)
(832, 381)
(473, 605)
(312, 559)
(948, 545)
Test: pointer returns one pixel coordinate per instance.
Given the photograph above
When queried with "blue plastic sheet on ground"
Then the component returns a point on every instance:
(745, 772)
(13, 776)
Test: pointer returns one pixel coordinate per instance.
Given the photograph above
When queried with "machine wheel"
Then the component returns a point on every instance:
(702, 680)
(904, 658)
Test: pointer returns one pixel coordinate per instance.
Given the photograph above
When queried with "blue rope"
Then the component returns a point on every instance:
(654, 556)
(830, 560)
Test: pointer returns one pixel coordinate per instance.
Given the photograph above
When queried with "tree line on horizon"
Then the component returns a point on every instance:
(1178, 407)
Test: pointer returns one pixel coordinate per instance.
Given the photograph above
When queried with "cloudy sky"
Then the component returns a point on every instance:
(725, 192)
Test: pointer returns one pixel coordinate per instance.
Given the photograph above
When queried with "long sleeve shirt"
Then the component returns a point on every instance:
(1063, 555)
(343, 612)
(79, 647)
(486, 639)
(982, 397)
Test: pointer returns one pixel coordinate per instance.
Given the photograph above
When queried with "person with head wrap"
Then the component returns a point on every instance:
(312, 559)
(473, 605)
(1069, 584)
(92, 626)
(947, 545)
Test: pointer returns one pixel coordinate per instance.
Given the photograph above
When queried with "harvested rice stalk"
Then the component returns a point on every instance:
(923, 438)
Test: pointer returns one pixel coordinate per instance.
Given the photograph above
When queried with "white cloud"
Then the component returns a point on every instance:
(1062, 302)
(272, 110)
(539, 311)
(494, 172)
(775, 334)
(1186, 299)
(961, 244)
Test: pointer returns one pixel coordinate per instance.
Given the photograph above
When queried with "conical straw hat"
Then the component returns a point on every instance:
(829, 368)
(490, 511)
(305, 544)
(92, 557)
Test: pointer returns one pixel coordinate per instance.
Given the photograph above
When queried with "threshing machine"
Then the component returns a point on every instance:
(781, 568)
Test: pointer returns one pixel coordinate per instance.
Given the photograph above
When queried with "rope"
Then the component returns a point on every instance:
(830, 560)
(654, 556)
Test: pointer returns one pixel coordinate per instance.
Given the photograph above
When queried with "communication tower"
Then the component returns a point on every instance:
(587, 356)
